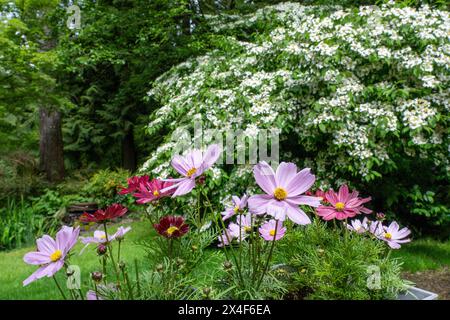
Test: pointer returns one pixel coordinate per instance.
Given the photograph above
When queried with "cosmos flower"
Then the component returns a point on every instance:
(271, 230)
(99, 237)
(134, 183)
(225, 238)
(242, 227)
(239, 204)
(151, 190)
(284, 191)
(343, 205)
(190, 167)
(359, 226)
(113, 211)
(171, 227)
(51, 253)
(393, 235)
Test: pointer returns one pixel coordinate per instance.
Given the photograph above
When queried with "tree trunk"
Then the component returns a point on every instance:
(129, 152)
(51, 145)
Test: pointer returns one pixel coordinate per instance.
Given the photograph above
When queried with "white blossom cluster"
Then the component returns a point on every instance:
(344, 84)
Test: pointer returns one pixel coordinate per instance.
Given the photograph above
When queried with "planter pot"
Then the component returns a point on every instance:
(414, 293)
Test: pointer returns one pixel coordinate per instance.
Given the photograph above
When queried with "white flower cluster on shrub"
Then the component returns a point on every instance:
(351, 87)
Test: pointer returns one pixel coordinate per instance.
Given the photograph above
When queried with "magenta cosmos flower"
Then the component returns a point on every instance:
(239, 204)
(171, 227)
(271, 230)
(393, 235)
(115, 210)
(151, 190)
(284, 191)
(343, 204)
(51, 254)
(134, 183)
(190, 167)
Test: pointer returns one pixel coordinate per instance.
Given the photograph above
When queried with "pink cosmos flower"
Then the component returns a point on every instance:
(270, 229)
(134, 183)
(393, 235)
(284, 191)
(91, 295)
(190, 167)
(225, 238)
(359, 226)
(343, 205)
(239, 204)
(51, 254)
(242, 227)
(99, 237)
(151, 190)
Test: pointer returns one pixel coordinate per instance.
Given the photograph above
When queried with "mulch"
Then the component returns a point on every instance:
(437, 281)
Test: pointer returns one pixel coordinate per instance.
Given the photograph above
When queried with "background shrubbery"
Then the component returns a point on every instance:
(359, 95)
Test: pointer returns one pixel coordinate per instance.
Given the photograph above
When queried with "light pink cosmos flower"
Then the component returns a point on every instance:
(225, 238)
(239, 204)
(51, 254)
(359, 226)
(190, 167)
(393, 235)
(242, 227)
(99, 237)
(284, 191)
(343, 204)
(270, 229)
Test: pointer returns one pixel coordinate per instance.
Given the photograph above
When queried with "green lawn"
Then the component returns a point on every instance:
(424, 254)
(417, 255)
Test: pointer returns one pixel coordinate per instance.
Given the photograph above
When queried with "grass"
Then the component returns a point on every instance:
(418, 255)
(424, 254)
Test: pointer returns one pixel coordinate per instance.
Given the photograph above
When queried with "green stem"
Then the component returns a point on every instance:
(59, 288)
(269, 257)
(137, 277)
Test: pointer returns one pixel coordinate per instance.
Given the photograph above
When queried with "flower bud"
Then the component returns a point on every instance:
(159, 268)
(101, 249)
(206, 291)
(201, 180)
(227, 265)
(380, 216)
(97, 276)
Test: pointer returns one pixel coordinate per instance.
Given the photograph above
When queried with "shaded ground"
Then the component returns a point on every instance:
(437, 281)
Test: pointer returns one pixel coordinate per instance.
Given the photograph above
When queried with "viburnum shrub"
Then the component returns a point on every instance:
(360, 95)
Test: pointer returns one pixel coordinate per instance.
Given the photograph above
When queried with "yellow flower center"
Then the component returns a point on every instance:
(247, 229)
(171, 230)
(103, 236)
(388, 236)
(55, 256)
(236, 209)
(280, 194)
(191, 172)
(339, 206)
(156, 193)
(272, 232)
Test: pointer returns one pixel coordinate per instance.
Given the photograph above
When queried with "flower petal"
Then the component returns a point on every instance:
(265, 177)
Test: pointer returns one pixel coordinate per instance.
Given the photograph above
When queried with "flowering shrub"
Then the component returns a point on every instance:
(359, 95)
